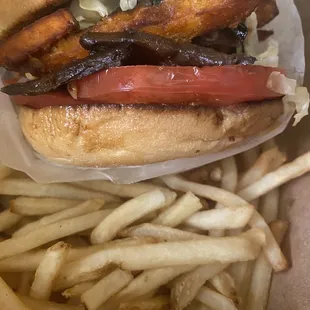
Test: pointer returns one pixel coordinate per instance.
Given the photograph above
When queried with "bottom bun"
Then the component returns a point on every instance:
(117, 135)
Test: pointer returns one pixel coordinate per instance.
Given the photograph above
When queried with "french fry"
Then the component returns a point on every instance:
(40, 206)
(35, 304)
(25, 283)
(161, 233)
(181, 210)
(225, 284)
(224, 197)
(30, 261)
(274, 179)
(245, 277)
(49, 233)
(197, 305)
(257, 297)
(229, 183)
(269, 144)
(121, 190)
(229, 180)
(27, 187)
(150, 280)
(8, 219)
(216, 174)
(224, 218)
(215, 300)
(266, 162)
(199, 175)
(24, 221)
(128, 213)
(185, 288)
(8, 299)
(249, 157)
(106, 288)
(5, 171)
(78, 290)
(48, 271)
(225, 250)
(81, 209)
(156, 303)
(269, 207)
(272, 250)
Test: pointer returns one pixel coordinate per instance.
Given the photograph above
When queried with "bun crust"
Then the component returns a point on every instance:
(116, 135)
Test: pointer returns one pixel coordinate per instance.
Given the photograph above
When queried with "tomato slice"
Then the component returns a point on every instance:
(215, 86)
(50, 99)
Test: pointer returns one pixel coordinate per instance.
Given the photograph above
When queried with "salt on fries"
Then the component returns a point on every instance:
(144, 255)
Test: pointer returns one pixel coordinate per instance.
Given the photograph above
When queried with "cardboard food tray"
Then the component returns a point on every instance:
(291, 289)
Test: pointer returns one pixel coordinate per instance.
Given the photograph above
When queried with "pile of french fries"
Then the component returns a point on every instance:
(206, 239)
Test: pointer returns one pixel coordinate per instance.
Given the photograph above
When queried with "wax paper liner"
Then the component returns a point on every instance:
(15, 151)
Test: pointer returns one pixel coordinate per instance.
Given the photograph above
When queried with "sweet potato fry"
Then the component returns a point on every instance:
(34, 38)
(15, 16)
(181, 20)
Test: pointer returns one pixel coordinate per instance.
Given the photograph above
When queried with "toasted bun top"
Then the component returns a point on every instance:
(115, 135)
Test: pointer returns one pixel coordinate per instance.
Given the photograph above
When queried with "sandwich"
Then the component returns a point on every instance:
(160, 81)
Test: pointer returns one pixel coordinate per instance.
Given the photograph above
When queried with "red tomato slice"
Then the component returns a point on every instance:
(177, 85)
(50, 99)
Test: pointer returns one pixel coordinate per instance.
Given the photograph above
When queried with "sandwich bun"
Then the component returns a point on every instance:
(131, 135)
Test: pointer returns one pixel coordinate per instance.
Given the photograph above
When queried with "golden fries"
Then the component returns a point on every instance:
(26, 187)
(225, 198)
(25, 283)
(225, 284)
(229, 182)
(106, 288)
(128, 213)
(150, 280)
(162, 233)
(266, 162)
(224, 218)
(166, 249)
(215, 300)
(49, 233)
(274, 179)
(8, 219)
(271, 249)
(257, 297)
(8, 299)
(125, 191)
(269, 207)
(83, 208)
(48, 271)
(208, 250)
(30, 261)
(181, 210)
(185, 288)
(40, 206)
(78, 290)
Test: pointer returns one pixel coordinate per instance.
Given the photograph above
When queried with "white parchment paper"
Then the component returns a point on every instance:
(15, 151)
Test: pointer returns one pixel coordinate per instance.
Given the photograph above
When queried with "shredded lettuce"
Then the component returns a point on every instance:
(301, 99)
(281, 84)
(89, 12)
(293, 94)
